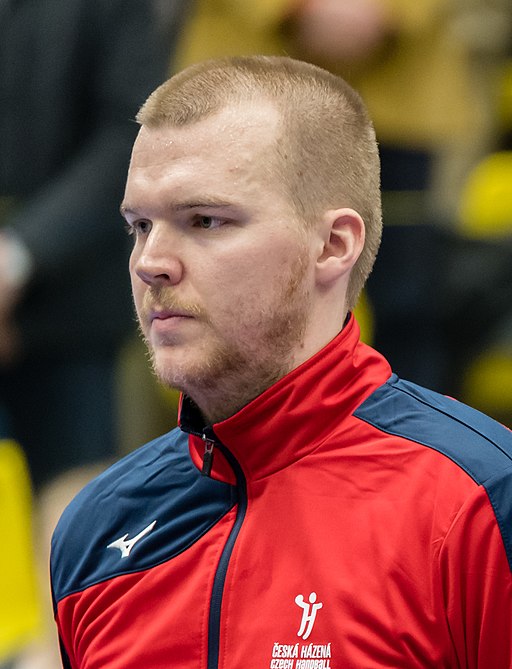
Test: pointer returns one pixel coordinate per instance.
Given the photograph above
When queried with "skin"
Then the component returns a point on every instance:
(231, 290)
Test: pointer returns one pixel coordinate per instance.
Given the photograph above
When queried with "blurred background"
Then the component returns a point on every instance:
(76, 392)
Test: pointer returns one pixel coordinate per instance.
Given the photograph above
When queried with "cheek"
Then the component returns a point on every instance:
(251, 289)
(138, 290)
(133, 259)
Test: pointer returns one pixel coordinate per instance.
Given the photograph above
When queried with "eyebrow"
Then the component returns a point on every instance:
(211, 203)
(206, 202)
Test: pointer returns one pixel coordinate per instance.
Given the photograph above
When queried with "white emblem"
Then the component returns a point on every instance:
(125, 546)
(309, 611)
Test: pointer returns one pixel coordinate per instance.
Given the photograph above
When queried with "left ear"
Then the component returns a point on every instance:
(343, 234)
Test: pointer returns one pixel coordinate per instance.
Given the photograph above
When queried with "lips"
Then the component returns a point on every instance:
(165, 314)
(162, 309)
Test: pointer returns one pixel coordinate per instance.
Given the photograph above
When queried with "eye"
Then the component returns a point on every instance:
(139, 227)
(208, 222)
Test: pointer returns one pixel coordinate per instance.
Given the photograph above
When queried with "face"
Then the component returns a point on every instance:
(221, 268)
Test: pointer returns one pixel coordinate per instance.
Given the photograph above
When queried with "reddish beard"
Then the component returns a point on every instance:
(220, 370)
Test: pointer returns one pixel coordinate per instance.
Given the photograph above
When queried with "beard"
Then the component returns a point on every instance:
(225, 373)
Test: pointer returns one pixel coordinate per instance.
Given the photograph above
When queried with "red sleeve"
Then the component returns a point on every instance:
(477, 586)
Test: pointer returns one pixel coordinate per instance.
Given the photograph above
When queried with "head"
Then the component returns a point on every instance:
(325, 155)
(251, 186)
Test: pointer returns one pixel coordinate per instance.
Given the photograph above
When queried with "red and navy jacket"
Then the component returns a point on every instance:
(345, 519)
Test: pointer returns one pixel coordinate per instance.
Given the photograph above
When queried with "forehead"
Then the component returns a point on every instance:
(233, 140)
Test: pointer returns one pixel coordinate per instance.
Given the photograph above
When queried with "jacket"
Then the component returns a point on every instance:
(344, 519)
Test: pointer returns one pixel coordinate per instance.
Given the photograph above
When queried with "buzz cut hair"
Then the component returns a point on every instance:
(326, 153)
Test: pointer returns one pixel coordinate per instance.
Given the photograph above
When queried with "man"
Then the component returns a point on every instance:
(313, 510)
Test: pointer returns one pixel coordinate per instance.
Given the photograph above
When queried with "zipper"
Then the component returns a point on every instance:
(222, 567)
(209, 443)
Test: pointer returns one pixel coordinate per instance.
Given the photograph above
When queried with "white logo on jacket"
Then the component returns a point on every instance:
(125, 546)
(310, 609)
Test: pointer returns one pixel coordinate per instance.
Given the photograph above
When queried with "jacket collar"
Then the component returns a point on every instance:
(292, 417)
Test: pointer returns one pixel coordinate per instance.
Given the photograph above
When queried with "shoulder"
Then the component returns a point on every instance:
(157, 493)
(124, 484)
(130, 472)
(477, 444)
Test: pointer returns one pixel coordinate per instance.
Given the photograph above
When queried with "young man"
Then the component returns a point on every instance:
(312, 510)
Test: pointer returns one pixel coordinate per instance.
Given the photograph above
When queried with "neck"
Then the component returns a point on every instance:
(229, 395)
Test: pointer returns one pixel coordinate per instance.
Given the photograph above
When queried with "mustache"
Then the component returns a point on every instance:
(162, 298)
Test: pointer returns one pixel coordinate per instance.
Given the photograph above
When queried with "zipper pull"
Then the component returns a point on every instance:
(208, 456)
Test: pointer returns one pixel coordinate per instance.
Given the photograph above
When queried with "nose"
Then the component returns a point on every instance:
(155, 259)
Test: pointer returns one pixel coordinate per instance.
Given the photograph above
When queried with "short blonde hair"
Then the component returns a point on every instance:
(326, 153)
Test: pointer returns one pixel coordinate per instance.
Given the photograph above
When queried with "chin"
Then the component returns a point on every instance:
(176, 370)
(196, 371)
(171, 374)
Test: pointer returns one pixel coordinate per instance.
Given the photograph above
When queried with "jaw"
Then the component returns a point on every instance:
(219, 380)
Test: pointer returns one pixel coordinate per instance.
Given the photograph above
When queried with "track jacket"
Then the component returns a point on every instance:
(345, 519)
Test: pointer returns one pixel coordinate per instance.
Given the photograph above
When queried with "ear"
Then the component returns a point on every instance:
(343, 235)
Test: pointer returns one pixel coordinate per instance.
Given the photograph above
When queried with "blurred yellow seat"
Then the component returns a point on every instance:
(488, 383)
(486, 204)
(20, 607)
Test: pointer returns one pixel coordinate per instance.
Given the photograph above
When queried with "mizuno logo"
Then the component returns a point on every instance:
(125, 545)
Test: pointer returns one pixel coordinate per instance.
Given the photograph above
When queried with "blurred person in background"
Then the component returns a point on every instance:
(72, 75)
(429, 73)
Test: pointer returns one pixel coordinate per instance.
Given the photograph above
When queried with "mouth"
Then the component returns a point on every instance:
(165, 323)
(167, 314)
(164, 317)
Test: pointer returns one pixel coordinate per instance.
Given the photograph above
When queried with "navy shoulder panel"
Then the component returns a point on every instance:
(476, 443)
(155, 495)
